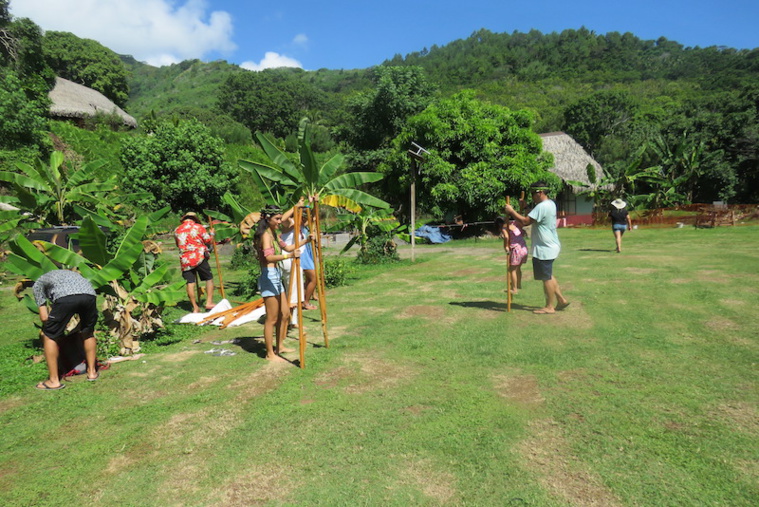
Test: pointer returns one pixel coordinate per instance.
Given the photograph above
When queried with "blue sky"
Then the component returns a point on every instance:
(337, 34)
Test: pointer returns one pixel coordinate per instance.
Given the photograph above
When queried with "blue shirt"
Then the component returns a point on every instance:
(545, 241)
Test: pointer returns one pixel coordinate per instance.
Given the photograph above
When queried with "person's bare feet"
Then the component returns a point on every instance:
(196, 309)
(544, 311)
(276, 359)
(284, 349)
(562, 305)
(210, 306)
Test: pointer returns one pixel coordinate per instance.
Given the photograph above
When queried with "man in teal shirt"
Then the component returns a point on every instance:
(545, 245)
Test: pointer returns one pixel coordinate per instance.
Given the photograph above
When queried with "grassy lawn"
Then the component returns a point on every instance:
(643, 392)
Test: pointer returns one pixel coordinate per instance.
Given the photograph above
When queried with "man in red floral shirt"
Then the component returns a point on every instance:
(193, 240)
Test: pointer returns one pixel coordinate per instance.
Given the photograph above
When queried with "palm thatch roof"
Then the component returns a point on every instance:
(570, 160)
(72, 100)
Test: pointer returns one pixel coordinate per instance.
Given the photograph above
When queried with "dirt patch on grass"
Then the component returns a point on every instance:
(261, 381)
(741, 415)
(520, 389)
(10, 404)
(547, 453)
(364, 373)
(433, 312)
(261, 485)
(435, 484)
(732, 302)
(721, 324)
(201, 383)
(178, 357)
(640, 271)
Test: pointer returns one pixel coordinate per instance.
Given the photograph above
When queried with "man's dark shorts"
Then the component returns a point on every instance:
(542, 270)
(203, 270)
(83, 305)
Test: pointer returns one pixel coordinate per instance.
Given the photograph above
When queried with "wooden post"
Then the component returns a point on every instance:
(216, 254)
(298, 287)
(413, 208)
(319, 261)
(508, 260)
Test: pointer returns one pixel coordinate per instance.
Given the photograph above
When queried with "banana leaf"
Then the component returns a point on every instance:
(92, 242)
(360, 197)
(127, 254)
(330, 168)
(25, 250)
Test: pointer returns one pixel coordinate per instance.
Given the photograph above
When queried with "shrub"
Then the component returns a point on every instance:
(336, 271)
(379, 250)
(247, 287)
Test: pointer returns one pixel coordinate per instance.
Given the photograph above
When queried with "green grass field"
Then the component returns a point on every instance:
(643, 392)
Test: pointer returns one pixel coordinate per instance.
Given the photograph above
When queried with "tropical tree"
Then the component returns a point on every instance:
(284, 179)
(478, 153)
(271, 101)
(680, 163)
(136, 286)
(180, 164)
(50, 191)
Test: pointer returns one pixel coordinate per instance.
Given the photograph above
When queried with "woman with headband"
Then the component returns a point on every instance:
(272, 250)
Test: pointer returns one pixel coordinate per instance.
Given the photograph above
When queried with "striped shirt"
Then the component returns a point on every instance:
(59, 283)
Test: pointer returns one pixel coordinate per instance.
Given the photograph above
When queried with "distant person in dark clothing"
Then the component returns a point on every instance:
(620, 221)
(69, 294)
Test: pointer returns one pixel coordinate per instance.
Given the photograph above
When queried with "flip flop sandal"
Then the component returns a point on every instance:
(42, 386)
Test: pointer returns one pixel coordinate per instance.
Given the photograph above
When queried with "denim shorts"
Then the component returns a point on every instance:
(619, 227)
(270, 282)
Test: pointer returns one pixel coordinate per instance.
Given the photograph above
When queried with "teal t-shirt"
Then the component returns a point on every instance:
(545, 241)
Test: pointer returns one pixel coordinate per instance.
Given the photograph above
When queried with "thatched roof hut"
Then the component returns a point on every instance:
(72, 100)
(570, 159)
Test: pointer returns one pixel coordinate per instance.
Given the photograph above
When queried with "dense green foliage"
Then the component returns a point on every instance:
(181, 166)
(479, 152)
(87, 62)
(271, 101)
(25, 80)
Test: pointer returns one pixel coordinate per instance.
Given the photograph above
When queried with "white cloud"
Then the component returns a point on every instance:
(300, 40)
(159, 32)
(272, 60)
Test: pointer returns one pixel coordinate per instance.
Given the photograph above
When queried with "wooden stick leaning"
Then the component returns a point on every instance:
(298, 287)
(508, 261)
(216, 254)
(316, 249)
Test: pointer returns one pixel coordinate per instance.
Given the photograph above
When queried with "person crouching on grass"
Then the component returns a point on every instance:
(545, 245)
(69, 294)
(270, 252)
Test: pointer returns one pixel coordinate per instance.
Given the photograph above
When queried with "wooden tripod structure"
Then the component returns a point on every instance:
(508, 261)
(321, 287)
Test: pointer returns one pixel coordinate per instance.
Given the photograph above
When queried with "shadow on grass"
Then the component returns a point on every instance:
(495, 306)
(594, 250)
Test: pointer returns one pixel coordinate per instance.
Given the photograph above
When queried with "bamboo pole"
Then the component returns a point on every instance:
(216, 254)
(298, 288)
(508, 261)
(319, 259)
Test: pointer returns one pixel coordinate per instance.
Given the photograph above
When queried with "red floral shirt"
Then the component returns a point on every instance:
(192, 240)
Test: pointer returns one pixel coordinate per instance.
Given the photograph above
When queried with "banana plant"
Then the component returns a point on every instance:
(48, 191)
(135, 287)
(362, 223)
(304, 177)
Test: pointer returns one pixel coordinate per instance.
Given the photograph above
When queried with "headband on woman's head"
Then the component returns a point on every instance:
(270, 212)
